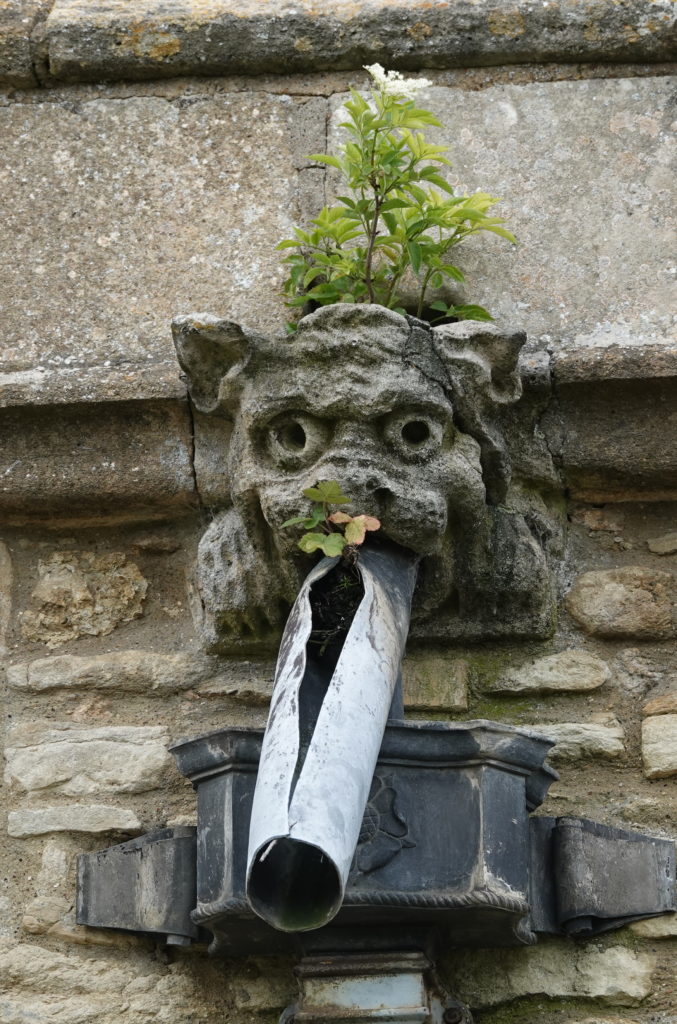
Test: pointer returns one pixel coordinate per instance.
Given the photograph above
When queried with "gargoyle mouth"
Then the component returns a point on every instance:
(381, 539)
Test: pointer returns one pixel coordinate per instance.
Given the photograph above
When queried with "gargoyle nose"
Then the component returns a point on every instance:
(368, 491)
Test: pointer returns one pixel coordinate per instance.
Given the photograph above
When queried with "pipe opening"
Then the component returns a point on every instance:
(334, 600)
(294, 886)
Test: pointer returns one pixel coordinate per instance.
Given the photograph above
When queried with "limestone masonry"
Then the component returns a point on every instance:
(153, 154)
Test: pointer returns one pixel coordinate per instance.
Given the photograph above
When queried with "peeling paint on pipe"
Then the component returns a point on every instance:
(308, 809)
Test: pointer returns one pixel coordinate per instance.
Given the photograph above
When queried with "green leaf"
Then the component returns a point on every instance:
(439, 304)
(311, 275)
(452, 271)
(395, 204)
(323, 291)
(294, 521)
(315, 518)
(332, 544)
(504, 233)
(414, 251)
(390, 221)
(327, 491)
(470, 312)
(310, 542)
(325, 158)
(418, 193)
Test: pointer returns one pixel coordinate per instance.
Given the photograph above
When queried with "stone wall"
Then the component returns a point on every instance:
(129, 195)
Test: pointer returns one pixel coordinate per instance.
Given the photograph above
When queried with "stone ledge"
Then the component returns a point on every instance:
(73, 385)
(19, 21)
(116, 445)
(608, 427)
(614, 363)
(614, 975)
(61, 758)
(91, 818)
(122, 461)
(87, 40)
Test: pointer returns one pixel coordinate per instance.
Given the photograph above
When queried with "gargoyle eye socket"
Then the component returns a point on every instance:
(414, 434)
(297, 439)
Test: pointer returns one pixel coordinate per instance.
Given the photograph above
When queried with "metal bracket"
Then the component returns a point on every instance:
(145, 885)
(584, 878)
(588, 878)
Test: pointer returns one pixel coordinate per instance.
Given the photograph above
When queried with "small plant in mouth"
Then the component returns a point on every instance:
(335, 597)
(399, 215)
(332, 533)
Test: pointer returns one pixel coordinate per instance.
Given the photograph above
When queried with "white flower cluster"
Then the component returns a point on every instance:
(392, 83)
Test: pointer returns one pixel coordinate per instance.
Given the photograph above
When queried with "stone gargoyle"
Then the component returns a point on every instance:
(409, 420)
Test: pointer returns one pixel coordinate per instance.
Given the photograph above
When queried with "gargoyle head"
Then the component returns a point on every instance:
(403, 416)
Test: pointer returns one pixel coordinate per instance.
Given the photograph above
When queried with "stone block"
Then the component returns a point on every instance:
(66, 930)
(6, 584)
(250, 688)
(67, 759)
(602, 1020)
(665, 705)
(154, 208)
(627, 602)
(576, 741)
(53, 891)
(18, 20)
(82, 594)
(88, 40)
(91, 818)
(86, 456)
(42, 913)
(556, 969)
(663, 927)
(604, 456)
(568, 671)
(435, 683)
(134, 671)
(605, 520)
(666, 544)
(637, 673)
(53, 896)
(46, 986)
(607, 285)
(659, 746)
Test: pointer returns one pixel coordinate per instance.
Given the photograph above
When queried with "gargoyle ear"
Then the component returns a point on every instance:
(211, 352)
(481, 363)
(484, 357)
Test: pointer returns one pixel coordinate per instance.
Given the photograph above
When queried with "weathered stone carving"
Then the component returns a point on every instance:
(410, 420)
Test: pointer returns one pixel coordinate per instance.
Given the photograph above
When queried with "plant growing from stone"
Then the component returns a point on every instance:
(397, 215)
(333, 533)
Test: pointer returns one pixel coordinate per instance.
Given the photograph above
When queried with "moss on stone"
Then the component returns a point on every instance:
(537, 1010)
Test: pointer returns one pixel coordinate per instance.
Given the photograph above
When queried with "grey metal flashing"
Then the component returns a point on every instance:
(588, 878)
(145, 885)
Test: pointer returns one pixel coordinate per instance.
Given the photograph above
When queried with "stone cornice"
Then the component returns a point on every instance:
(110, 40)
(93, 446)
